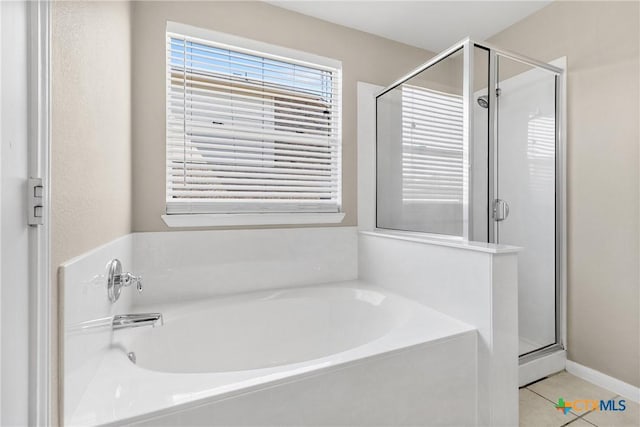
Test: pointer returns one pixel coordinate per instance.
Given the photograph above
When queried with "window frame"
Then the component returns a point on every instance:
(258, 213)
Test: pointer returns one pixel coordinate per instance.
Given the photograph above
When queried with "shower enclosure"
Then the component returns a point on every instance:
(469, 146)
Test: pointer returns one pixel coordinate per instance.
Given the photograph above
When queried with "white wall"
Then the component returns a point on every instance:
(187, 265)
(14, 272)
(475, 284)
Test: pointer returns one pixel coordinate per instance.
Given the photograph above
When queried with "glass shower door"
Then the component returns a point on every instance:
(420, 152)
(523, 206)
(431, 168)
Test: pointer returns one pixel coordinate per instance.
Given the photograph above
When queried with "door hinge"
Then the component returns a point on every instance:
(36, 201)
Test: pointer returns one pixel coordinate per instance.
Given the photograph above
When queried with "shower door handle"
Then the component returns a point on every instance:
(500, 210)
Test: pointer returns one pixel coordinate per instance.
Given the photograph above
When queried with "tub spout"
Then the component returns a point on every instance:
(121, 321)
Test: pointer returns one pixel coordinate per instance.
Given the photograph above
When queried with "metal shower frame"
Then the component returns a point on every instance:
(467, 46)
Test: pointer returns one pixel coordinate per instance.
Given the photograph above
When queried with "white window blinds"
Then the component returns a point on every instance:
(249, 131)
(432, 146)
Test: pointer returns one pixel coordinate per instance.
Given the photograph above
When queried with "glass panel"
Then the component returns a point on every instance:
(526, 149)
(479, 156)
(420, 151)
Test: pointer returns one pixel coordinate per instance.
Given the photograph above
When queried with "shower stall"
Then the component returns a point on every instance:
(470, 146)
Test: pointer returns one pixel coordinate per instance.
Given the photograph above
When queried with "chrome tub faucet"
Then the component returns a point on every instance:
(116, 280)
(121, 321)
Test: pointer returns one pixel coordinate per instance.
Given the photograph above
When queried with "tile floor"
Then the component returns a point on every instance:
(538, 401)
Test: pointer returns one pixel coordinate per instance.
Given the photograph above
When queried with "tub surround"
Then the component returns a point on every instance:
(474, 284)
(85, 314)
(187, 265)
(434, 240)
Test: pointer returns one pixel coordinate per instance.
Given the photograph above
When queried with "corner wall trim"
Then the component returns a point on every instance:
(43, 399)
(629, 391)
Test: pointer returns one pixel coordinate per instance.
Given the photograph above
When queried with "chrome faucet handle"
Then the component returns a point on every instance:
(129, 279)
(116, 280)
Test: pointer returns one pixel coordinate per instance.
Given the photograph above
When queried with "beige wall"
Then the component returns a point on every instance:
(601, 42)
(91, 129)
(91, 125)
(364, 58)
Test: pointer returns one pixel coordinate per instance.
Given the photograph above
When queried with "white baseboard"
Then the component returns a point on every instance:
(603, 380)
(541, 367)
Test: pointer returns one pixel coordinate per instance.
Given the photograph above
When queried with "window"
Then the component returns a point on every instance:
(250, 130)
(431, 146)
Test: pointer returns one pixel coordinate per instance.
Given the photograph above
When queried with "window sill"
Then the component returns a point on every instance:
(225, 220)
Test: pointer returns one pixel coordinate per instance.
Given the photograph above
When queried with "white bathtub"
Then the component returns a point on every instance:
(341, 354)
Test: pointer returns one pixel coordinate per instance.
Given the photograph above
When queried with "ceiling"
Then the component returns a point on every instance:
(431, 25)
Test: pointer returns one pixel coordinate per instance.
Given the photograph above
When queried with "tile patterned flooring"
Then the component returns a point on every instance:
(538, 401)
